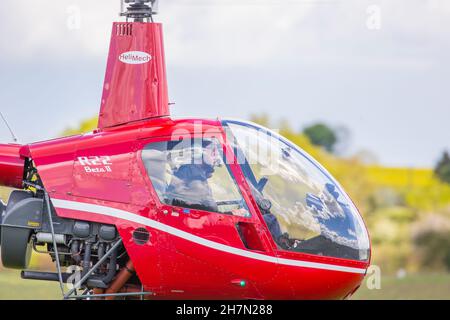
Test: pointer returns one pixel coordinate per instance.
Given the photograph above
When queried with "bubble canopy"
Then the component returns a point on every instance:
(304, 207)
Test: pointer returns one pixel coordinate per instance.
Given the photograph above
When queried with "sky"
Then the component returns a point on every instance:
(379, 68)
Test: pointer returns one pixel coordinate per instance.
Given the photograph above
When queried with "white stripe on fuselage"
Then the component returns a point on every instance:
(128, 216)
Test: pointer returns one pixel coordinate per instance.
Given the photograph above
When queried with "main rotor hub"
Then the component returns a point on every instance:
(139, 10)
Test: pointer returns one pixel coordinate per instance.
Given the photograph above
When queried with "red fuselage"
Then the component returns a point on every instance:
(100, 177)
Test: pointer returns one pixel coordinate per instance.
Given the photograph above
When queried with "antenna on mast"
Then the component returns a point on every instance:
(9, 128)
(139, 10)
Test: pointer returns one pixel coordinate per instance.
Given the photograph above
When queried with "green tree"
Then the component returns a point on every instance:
(322, 135)
(431, 238)
(442, 169)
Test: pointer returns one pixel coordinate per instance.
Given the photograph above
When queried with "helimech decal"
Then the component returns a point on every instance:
(135, 57)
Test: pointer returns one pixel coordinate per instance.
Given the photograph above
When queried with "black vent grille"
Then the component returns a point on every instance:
(141, 236)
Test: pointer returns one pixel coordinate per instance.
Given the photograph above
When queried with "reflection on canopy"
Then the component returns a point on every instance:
(314, 213)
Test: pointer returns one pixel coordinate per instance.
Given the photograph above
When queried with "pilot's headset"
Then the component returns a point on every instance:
(206, 153)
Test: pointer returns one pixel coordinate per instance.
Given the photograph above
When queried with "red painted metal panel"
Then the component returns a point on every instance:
(135, 83)
(11, 166)
(104, 172)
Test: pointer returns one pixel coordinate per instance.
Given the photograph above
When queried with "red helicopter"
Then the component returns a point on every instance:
(147, 206)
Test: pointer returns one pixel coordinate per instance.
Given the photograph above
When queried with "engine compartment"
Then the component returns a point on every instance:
(88, 255)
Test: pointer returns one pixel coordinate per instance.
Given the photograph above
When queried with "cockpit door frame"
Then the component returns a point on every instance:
(178, 217)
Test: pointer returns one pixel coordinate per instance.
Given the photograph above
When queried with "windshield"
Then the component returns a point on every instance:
(304, 208)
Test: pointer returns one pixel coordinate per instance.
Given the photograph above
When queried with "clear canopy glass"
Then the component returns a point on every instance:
(305, 209)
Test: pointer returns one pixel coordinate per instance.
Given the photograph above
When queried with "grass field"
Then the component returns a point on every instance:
(426, 286)
(12, 287)
(422, 287)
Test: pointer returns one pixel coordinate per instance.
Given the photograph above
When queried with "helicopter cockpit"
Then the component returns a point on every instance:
(304, 208)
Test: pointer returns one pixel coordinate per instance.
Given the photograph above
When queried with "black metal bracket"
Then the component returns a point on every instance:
(92, 270)
(106, 295)
(55, 246)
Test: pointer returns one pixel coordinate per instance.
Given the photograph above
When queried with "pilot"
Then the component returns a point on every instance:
(273, 225)
(281, 239)
(189, 186)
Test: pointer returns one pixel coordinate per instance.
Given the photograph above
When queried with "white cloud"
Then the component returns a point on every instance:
(43, 28)
(239, 32)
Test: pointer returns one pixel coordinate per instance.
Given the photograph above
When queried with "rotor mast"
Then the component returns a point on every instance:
(139, 10)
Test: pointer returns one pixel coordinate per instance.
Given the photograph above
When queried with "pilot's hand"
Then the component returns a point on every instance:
(284, 241)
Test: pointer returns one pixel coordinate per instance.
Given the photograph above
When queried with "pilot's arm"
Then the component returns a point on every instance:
(273, 225)
(189, 187)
